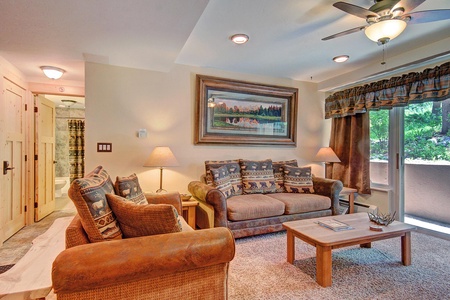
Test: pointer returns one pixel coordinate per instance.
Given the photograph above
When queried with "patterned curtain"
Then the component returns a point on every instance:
(429, 85)
(76, 149)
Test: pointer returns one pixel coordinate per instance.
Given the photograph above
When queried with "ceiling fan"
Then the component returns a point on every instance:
(387, 19)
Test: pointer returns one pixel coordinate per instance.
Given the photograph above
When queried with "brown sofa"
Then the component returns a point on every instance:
(253, 214)
(187, 264)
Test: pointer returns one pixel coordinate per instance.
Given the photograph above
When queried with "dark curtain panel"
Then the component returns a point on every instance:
(76, 149)
(350, 140)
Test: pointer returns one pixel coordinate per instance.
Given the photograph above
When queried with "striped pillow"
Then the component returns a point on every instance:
(257, 176)
(234, 171)
(221, 180)
(298, 180)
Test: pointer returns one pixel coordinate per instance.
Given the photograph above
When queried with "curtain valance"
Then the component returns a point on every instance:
(429, 85)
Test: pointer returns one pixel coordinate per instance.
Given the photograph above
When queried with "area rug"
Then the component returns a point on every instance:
(260, 270)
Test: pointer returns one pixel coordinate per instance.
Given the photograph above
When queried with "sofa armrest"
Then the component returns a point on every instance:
(108, 263)
(330, 188)
(213, 197)
(169, 198)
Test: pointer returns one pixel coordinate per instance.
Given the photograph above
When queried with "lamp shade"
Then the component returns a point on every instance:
(326, 154)
(385, 30)
(52, 72)
(161, 157)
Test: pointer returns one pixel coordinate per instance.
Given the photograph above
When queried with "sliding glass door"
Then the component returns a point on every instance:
(410, 157)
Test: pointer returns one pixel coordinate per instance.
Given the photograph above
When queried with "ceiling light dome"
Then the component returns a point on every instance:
(384, 31)
(52, 72)
(239, 38)
(341, 58)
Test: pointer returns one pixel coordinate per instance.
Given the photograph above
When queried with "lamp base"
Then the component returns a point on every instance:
(161, 191)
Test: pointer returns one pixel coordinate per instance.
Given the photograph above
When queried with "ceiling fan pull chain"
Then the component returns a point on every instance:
(383, 62)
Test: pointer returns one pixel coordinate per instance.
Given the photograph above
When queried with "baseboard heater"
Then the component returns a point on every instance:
(359, 207)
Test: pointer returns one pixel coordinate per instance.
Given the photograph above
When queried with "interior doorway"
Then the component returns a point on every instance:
(69, 110)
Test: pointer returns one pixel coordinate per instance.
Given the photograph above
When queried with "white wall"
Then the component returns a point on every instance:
(119, 101)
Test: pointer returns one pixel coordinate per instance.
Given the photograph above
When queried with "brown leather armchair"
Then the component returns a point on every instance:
(186, 265)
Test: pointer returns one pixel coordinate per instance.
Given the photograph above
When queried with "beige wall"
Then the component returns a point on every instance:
(119, 101)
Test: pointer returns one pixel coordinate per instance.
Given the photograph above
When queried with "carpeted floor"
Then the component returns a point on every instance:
(260, 270)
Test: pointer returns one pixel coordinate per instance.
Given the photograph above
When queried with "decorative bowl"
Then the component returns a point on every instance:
(185, 197)
(381, 219)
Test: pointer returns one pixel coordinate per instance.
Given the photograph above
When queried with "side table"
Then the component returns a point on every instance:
(189, 208)
(350, 192)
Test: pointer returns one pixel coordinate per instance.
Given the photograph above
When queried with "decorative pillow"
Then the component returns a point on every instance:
(298, 180)
(221, 180)
(257, 176)
(278, 173)
(233, 169)
(129, 188)
(88, 195)
(143, 220)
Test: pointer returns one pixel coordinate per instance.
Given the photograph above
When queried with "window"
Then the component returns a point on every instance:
(379, 146)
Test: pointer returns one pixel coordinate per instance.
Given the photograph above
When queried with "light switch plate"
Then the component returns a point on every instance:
(104, 147)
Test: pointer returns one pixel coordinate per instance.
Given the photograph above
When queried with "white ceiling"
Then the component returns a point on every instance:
(285, 36)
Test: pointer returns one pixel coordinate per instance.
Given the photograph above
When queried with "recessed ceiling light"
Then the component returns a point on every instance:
(341, 58)
(239, 38)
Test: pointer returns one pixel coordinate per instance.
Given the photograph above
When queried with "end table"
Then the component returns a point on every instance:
(350, 192)
(189, 208)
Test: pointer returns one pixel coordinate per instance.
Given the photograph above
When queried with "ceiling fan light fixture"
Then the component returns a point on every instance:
(239, 38)
(341, 58)
(52, 72)
(385, 31)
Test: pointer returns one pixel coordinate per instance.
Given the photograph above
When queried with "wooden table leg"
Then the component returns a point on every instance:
(366, 245)
(323, 265)
(290, 247)
(351, 203)
(406, 249)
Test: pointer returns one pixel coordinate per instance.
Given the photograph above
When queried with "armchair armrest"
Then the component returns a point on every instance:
(169, 198)
(99, 265)
(330, 188)
(212, 196)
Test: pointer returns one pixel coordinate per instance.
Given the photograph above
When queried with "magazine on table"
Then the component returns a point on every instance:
(334, 225)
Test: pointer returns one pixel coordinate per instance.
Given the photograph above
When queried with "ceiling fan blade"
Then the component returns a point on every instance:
(355, 10)
(428, 16)
(408, 5)
(344, 33)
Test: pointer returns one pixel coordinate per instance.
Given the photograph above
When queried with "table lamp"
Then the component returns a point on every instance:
(161, 157)
(326, 155)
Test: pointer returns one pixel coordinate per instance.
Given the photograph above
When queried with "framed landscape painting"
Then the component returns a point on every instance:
(238, 112)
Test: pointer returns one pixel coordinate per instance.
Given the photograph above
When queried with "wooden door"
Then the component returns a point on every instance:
(12, 159)
(44, 173)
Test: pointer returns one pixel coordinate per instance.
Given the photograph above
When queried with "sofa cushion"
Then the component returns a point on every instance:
(298, 180)
(129, 188)
(143, 220)
(278, 173)
(221, 180)
(247, 207)
(88, 195)
(257, 176)
(300, 203)
(233, 169)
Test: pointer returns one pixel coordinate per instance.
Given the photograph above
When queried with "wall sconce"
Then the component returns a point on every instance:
(52, 72)
(161, 157)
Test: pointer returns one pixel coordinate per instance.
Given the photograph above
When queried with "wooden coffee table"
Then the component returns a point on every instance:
(325, 239)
